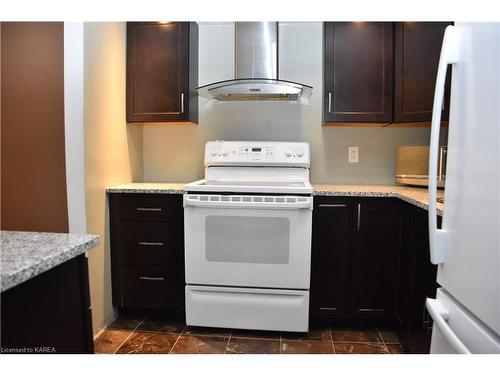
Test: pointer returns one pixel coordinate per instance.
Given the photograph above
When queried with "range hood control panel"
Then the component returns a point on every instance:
(249, 153)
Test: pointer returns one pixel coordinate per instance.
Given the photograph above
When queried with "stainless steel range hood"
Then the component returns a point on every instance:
(256, 69)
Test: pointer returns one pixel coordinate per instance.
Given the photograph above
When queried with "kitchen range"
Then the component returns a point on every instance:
(309, 187)
(248, 237)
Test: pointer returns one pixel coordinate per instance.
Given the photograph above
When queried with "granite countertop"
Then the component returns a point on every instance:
(416, 196)
(24, 255)
(148, 188)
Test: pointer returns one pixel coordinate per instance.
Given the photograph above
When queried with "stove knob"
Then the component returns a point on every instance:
(289, 152)
(224, 151)
(300, 152)
(214, 152)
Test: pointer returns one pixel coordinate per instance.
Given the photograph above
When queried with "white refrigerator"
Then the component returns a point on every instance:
(466, 311)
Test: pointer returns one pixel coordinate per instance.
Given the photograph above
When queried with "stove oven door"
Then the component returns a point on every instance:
(248, 241)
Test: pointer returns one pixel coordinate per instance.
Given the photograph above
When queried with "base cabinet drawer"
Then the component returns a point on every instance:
(150, 243)
(151, 287)
(147, 251)
(147, 207)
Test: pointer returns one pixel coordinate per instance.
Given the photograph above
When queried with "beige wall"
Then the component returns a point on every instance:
(113, 149)
(175, 153)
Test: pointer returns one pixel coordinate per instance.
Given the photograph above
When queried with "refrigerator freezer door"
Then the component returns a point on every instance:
(455, 330)
(469, 269)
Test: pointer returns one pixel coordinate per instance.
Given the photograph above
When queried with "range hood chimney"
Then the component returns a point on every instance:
(256, 69)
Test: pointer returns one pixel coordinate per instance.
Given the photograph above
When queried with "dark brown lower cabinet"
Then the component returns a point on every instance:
(353, 258)
(374, 258)
(147, 252)
(416, 279)
(403, 296)
(370, 260)
(50, 313)
(331, 258)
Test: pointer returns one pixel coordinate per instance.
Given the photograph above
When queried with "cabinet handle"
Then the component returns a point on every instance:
(182, 102)
(148, 209)
(372, 310)
(145, 243)
(329, 102)
(149, 278)
(332, 205)
(359, 216)
(328, 308)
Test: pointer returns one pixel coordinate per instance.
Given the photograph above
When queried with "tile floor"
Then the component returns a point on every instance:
(145, 336)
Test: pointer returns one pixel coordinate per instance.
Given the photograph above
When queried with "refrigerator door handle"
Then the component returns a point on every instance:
(449, 54)
(440, 317)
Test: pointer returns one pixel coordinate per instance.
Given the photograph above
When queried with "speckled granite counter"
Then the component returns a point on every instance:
(25, 255)
(148, 188)
(416, 196)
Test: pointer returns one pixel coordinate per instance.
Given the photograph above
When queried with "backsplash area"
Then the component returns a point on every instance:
(175, 153)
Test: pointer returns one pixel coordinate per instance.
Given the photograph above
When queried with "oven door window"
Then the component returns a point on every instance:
(244, 239)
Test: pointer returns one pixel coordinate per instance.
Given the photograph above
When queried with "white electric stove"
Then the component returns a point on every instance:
(248, 237)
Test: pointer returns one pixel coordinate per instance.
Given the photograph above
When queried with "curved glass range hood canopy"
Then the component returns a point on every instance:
(255, 89)
(256, 69)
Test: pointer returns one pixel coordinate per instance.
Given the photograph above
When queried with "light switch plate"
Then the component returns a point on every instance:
(353, 154)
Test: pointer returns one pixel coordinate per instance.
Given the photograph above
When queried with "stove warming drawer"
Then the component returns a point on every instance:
(247, 308)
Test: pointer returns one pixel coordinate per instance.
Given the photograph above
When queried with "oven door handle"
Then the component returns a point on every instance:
(248, 201)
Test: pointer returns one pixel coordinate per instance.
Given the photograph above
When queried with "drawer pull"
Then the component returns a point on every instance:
(148, 209)
(149, 278)
(371, 310)
(144, 243)
(332, 205)
(328, 308)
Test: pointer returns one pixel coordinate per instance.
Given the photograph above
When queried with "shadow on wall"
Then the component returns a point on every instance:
(134, 146)
(106, 265)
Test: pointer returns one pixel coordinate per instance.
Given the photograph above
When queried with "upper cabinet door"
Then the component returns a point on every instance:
(358, 71)
(417, 50)
(158, 71)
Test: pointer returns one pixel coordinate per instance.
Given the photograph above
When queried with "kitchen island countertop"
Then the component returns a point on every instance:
(24, 255)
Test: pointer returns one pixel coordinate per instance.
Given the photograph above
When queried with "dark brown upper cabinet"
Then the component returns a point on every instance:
(358, 71)
(162, 71)
(417, 48)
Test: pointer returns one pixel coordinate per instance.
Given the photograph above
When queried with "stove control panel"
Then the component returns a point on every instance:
(257, 153)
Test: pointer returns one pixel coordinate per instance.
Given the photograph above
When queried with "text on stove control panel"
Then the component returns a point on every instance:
(276, 153)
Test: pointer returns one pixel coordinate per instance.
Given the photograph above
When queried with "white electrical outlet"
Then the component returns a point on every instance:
(353, 154)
